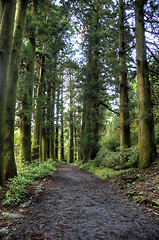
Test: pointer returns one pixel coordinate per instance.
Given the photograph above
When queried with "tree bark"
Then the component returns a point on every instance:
(57, 125)
(146, 139)
(39, 113)
(62, 130)
(8, 8)
(9, 159)
(52, 137)
(124, 102)
(71, 145)
(25, 121)
(48, 120)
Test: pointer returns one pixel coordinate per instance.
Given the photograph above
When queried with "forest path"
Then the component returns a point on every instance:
(78, 205)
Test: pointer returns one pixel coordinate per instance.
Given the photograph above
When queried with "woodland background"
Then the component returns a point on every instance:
(79, 84)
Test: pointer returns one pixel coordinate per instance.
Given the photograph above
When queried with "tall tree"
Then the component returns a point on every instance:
(146, 140)
(26, 111)
(124, 107)
(9, 159)
(71, 132)
(62, 126)
(57, 124)
(7, 12)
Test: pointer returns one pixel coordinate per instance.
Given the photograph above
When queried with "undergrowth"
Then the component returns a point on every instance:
(107, 162)
(17, 186)
(103, 172)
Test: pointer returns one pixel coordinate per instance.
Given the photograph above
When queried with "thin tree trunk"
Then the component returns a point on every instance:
(57, 126)
(124, 108)
(62, 130)
(48, 120)
(81, 147)
(75, 143)
(146, 140)
(52, 130)
(71, 145)
(9, 159)
(8, 8)
(38, 120)
(42, 111)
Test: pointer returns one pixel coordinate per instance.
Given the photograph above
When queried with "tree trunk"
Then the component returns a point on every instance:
(62, 132)
(57, 126)
(52, 130)
(8, 8)
(71, 145)
(39, 114)
(9, 159)
(25, 121)
(48, 120)
(124, 108)
(94, 87)
(75, 143)
(146, 140)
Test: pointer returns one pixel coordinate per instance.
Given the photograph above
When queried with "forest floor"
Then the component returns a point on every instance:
(73, 204)
(142, 186)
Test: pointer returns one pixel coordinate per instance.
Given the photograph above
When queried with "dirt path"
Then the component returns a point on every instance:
(78, 205)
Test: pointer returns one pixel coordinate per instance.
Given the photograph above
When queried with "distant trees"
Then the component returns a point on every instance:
(97, 25)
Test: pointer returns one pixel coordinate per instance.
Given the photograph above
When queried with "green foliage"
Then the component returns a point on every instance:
(107, 158)
(90, 166)
(39, 171)
(131, 154)
(110, 173)
(111, 141)
(103, 172)
(157, 134)
(17, 191)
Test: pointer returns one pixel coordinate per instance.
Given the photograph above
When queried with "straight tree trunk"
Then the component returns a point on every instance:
(7, 8)
(82, 136)
(48, 120)
(75, 143)
(42, 111)
(26, 115)
(52, 119)
(57, 125)
(62, 130)
(9, 159)
(94, 89)
(39, 113)
(52, 130)
(25, 120)
(146, 139)
(71, 145)
(124, 108)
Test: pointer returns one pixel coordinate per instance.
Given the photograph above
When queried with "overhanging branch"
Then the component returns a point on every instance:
(105, 105)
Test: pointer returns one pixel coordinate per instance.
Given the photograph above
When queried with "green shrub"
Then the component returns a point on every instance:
(131, 154)
(90, 166)
(17, 191)
(111, 142)
(107, 158)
